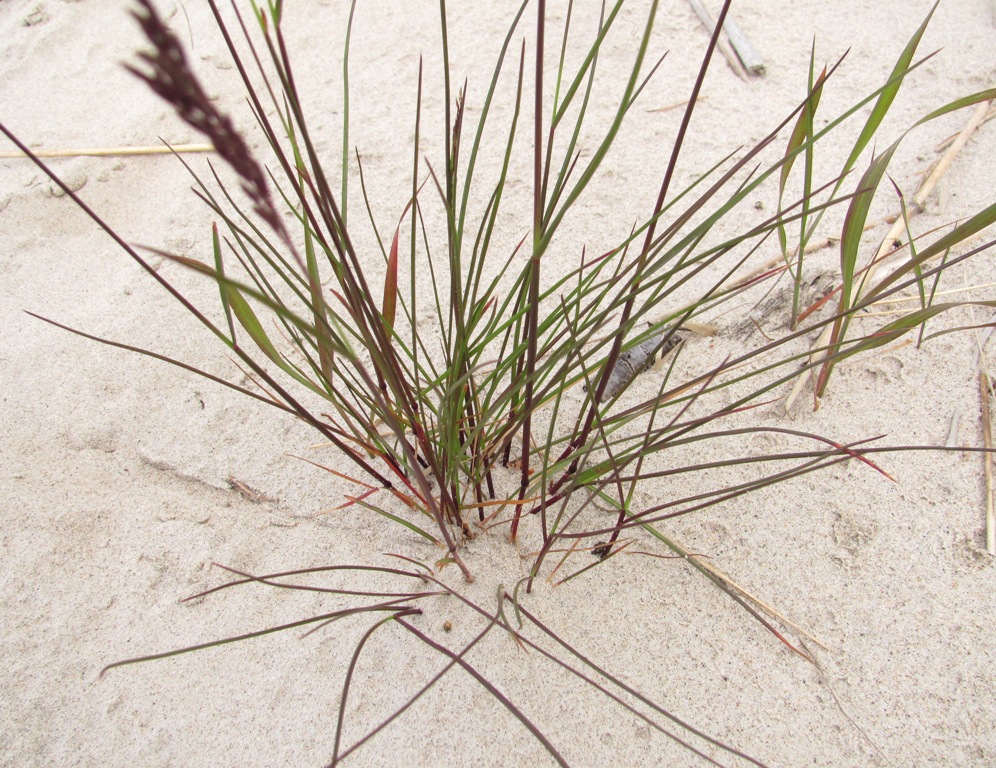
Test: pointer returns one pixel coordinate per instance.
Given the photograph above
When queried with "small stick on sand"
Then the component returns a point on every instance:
(722, 43)
(987, 441)
(113, 151)
(977, 118)
(748, 54)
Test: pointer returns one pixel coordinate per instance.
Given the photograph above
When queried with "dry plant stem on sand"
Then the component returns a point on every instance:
(986, 394)
(511, 415)
(166, 149)
(724, 44)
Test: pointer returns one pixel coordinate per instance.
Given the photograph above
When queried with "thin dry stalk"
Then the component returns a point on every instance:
(829, 242)
(164, 149)
(954, 136)
(675, 105)
(985, 390)
(937, 294)
(977, 118)
(767, 608)
(764, 606)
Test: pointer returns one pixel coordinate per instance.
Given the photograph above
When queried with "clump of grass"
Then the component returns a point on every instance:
(518, 415)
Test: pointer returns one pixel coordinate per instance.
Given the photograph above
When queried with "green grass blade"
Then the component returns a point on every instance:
(345, 114)
(850, 242)
(888, 94)
(219, 265)
(967, 229)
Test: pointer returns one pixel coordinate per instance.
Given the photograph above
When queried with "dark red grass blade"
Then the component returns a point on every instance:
(490, 688)
(421, 692)
(522, 640)
(349, 678)
(389, 605)
(268, 578)
(633, 692)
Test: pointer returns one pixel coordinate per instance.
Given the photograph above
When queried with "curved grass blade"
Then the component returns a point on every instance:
(490, 688)
(349, 677)
(421, 692)
(390, 605)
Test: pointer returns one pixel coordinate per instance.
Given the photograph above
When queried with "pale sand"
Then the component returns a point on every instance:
(114, 466)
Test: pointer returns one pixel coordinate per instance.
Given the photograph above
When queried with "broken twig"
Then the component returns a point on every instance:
(723, 44)
(749, 56)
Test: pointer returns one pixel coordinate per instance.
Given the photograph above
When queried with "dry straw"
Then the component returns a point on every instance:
(167, 149)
